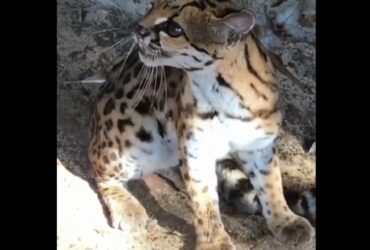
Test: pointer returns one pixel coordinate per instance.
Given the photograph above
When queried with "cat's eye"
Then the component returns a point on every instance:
(174, 29)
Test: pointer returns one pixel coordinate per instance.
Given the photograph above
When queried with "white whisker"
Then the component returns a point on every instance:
(97, 81)
(140, 74)
(114, 47)
(150, 79)
(102, 31)
(147, 83)
(140, 82)
(165, 87)
(160, 85)
(127, 56)
(152, 100)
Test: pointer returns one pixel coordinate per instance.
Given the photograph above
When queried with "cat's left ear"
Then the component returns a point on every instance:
(232, 27)
(241, 22)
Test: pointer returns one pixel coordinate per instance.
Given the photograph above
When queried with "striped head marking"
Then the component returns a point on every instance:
(190, 33)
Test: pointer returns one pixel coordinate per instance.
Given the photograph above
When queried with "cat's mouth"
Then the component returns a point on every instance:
(151, 55)
(148, 56)
(149, 51)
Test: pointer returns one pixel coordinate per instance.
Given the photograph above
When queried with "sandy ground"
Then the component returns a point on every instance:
(84, 33)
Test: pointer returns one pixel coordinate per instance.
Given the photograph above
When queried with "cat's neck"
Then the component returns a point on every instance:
(242, 80)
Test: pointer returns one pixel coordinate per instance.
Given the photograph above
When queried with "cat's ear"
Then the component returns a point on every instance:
(241, 22)
(232, 27)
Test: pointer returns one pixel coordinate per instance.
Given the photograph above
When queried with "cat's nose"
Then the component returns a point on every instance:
(139, 30)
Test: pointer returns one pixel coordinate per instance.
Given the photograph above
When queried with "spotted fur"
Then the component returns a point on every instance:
(236, 189)
(214, 114)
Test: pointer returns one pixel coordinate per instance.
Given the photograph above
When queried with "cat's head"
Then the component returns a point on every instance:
(190, 34)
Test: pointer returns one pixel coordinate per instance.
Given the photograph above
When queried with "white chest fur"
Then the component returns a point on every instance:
(243, 135)
(227, 133)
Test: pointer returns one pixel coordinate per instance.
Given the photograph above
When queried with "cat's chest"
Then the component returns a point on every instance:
(241, 135)
(211, 96)
(234, 125)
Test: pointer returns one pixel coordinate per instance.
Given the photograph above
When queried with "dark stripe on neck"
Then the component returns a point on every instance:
(191, 69)
(272, 86)
(221, 81)
(259, 47)
(208, 63)
(197, 48)
(243, 119)
(249, 65)
(196, 59)
(266, 113)
(257, 92)
(208, 115)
